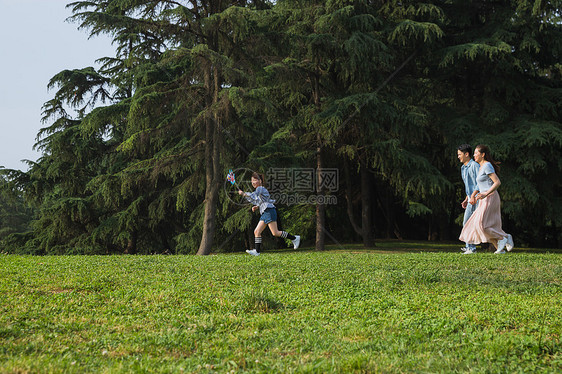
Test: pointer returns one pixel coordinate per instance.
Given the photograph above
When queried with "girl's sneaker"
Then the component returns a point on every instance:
(499, 252)
(296, 241)
(252, 252)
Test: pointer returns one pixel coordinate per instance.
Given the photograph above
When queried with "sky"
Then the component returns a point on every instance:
(36, 43)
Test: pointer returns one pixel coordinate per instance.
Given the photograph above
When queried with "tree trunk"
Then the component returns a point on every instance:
(212, 172)
(207, 239)
(386, 208)
(320, 208)
(366, 207)
(132, 244)
(349, 198)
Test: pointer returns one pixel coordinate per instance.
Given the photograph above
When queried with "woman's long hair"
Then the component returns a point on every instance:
(488, 157)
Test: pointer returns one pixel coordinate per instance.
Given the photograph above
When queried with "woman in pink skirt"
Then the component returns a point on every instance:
(485, 224)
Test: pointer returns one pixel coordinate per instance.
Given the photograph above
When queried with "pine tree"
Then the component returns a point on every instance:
(180, 105)
(349, 53)
(56, 183)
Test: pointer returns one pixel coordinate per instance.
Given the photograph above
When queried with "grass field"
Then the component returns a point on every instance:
(406, 307)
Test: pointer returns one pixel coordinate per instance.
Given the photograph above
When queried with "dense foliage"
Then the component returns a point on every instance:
(15, 217)
(136, 153)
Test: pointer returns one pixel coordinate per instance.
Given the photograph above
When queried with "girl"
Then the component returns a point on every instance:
(261, 200)
(485, 224)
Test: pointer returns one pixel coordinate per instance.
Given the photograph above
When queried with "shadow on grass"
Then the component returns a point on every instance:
(404, 246)
(261, 301)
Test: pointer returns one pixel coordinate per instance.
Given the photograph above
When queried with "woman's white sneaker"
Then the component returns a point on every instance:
(252, 252)
(502, 243)
(509, 245)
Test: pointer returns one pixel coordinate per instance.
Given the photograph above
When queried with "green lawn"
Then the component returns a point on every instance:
(405, 307)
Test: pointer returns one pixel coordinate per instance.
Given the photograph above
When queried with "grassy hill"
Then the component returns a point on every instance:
(404, 307)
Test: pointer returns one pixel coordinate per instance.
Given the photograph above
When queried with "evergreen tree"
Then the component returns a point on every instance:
(348, 53)
(57, 181)
(180, 105)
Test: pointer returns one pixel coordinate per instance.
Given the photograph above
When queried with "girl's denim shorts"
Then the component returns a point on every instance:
(269, 215)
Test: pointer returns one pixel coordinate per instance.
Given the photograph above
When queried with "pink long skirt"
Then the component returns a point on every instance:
(485, 224)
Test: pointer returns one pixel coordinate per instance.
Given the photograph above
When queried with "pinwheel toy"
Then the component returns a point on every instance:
(231, 177)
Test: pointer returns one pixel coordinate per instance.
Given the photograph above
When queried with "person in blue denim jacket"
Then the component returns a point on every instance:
(469, 172)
